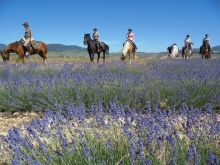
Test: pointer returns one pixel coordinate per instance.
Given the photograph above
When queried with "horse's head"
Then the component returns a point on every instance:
(86, 38)
(190, 45)
(5, 56)
(206, 44)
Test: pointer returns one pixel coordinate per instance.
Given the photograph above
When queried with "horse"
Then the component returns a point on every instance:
(16, 47)
(92, 48)
(173, 51)
(205, 51)
(188, 50)
(128, 48)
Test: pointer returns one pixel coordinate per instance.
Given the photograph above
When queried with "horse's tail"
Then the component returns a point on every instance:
(107, 49)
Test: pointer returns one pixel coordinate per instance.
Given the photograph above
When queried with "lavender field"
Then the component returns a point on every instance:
(154, 112)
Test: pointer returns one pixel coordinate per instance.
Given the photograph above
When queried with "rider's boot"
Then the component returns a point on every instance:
(28, 50)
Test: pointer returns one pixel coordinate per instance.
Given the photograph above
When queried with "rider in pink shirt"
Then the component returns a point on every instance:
(130, 36)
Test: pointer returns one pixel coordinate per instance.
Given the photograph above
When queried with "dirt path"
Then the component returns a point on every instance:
(7, 121)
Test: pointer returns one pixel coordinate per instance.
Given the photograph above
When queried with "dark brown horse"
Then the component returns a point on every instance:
(92, 49)
(16, 47)
(205, 50)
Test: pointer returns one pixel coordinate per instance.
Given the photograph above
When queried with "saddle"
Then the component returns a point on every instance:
(33, 44)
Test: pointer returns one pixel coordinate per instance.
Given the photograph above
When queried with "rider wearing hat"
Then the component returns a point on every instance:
(96, 38)
(27, 36)
(130, 36)
(206, 39)
(186, 42)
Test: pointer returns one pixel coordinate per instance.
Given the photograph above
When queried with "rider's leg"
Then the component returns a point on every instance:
(183, 48)
(100, 46)
(200, 49)
(135, 47)
(26, 44)
(210, 49)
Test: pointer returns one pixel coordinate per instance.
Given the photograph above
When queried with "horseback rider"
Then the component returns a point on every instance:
(27, 36)
(96, 38)
(186, 42)
(130, 36)
(206, 39)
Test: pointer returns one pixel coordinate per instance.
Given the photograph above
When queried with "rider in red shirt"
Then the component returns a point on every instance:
(130, 36)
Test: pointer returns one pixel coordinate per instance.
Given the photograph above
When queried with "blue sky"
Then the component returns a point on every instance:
(156, 23)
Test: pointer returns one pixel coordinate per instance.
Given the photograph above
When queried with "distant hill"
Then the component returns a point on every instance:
(59, 48)
(74, 48)
(214, 48)
(65, 48)
(2, 46)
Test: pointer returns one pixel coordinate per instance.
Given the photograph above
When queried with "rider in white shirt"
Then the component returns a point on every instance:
(96, 38)
(186, 42)
(206, 39)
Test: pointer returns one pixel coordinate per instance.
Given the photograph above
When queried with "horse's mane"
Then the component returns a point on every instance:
(126, 47)
(9, 46)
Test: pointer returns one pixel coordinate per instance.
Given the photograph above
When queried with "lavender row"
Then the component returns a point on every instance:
(116, 134)
(35, 86)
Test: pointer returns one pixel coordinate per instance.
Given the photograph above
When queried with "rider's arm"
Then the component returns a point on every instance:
(98, 36)
(127, 36)
(30, 33)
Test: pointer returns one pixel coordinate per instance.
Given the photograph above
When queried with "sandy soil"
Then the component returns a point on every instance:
(7, 121)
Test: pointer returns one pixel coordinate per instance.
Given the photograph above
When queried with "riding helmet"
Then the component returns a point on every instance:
(95, 29)
(130, 29)
(25, 23)
(206, 35)
(187, 35)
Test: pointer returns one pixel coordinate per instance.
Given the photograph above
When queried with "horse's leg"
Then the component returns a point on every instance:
(43, 55)
(20, 56)
(92, 57)
(98, 56)
(130, 53)
(103, 56)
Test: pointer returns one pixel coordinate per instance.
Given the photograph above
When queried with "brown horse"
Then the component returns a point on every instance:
(205, 50)
(16, 47)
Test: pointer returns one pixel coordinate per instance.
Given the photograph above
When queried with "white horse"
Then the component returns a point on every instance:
(128, 48)
(174, 51)
(188, 50)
